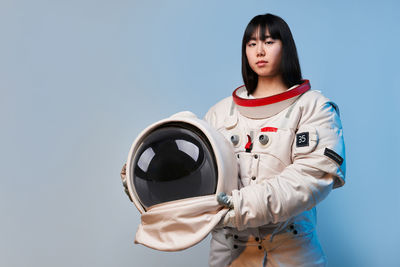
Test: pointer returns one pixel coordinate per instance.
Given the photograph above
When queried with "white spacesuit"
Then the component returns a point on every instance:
(290, 152)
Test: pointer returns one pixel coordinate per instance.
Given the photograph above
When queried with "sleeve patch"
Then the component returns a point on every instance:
(302, 139)
(333, 155)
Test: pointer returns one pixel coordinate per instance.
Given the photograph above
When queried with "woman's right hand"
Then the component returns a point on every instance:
(123, 174)
(123, 178)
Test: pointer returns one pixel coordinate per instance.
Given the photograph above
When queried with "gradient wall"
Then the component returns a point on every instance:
(80, 79)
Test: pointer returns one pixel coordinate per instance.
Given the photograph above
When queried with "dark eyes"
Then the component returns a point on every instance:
(267, 42)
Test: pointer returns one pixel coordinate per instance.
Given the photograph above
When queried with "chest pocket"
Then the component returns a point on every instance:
(270, 153)
(274, 147)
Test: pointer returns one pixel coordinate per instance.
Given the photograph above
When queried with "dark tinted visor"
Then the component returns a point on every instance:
(174, 162)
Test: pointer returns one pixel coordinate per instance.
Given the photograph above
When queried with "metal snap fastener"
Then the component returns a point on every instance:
(253, 178)
(235, 236)
(260, 247)
(235, 246)
(256, 156)
(235, 139)
(257, 239)
(264, 139)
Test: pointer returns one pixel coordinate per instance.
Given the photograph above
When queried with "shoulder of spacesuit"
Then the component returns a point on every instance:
(313, 97)
(313, 100)
(217, 113)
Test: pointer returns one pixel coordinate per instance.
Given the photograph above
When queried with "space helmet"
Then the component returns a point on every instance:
(174, 171)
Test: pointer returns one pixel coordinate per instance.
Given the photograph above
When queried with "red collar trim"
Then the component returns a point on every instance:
(298, 90)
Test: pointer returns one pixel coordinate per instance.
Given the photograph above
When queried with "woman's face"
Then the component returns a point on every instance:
(264, 56)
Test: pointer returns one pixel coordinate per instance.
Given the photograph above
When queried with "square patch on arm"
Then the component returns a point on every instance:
(302, 139)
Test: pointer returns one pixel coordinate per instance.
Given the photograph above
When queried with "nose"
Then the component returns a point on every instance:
(260, 50)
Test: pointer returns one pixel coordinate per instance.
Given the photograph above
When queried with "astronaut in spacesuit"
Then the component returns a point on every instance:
(289, 146)
(252, 172)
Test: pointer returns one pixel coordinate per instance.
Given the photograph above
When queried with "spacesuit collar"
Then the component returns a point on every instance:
(259, 108)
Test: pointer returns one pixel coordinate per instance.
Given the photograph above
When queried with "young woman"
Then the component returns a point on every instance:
(290, 151)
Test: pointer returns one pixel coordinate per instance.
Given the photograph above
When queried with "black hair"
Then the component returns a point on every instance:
(278, 29)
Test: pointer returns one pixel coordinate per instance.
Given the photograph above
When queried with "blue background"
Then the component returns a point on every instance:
(80, 79)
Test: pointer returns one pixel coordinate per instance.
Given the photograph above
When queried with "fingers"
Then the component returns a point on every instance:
(123, 172)
(123, 177)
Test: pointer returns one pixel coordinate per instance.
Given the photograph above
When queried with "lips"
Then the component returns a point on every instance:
(261, 63)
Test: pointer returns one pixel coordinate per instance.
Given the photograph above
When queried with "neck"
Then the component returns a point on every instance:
(268, 86)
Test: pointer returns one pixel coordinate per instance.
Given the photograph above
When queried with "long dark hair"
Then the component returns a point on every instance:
(278, 29)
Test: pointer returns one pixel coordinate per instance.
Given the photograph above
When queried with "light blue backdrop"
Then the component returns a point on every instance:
(80, 79)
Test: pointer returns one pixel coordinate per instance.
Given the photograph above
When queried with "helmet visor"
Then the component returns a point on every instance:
(175, 161)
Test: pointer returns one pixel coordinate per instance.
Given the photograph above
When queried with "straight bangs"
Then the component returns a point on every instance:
(261, 24)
